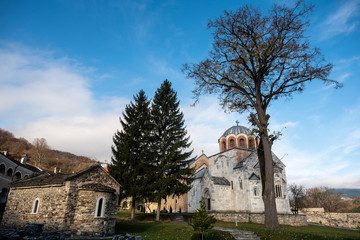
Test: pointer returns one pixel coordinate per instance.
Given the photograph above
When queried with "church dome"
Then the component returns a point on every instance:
(236, 130)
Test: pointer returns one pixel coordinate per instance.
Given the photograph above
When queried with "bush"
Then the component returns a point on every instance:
(202, 222)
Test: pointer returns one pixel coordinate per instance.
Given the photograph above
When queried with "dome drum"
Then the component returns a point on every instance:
(237, 136)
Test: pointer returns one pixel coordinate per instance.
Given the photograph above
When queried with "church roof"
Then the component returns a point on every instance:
(236, 130)
(52, 179)
(216, 180)
(253, 156)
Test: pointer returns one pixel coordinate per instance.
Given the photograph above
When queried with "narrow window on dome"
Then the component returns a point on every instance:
(242, 143)
(251, 144)
(232, 143)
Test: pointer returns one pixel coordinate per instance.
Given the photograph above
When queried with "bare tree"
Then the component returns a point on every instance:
(41, 150)
(323, 197)
(297, 194)
(256, 59)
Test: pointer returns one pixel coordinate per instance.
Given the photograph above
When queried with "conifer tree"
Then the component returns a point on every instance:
(172, 173)
(202, 221)
(131, 153)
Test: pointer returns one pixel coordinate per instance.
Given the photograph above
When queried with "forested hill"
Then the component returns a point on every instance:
(349, 192)
(41, 155)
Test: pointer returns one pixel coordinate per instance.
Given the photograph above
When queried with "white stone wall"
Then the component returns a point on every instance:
(235, 198)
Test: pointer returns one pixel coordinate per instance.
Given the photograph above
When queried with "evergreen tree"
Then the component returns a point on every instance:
(131, 153)
(172, 173)
(202, 222)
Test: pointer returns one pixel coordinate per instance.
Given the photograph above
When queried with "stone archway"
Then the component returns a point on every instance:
(207, 199)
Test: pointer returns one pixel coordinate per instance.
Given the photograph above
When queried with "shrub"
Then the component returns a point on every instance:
(202, 222)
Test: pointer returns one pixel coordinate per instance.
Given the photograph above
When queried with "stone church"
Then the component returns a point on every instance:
(82, 203)
(230, 179)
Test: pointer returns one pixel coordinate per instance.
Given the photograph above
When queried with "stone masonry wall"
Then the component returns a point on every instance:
(284, 219)
(99, 176)
(51, 208)
(85, 222)
(348, 220)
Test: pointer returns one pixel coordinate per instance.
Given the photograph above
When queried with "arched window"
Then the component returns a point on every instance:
(224, 146)
(232, 185)
(26, 176)
(232, 143)
(241, 142)
(2, 168)
(9, 172)
(124, 205)
(256, 191)
(240, 184)
(251, 144)
(207, 199)
(100, 207)
(35, 208)
(278, 192)
(17, 175)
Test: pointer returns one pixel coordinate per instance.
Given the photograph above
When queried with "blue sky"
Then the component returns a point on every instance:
(68, 68)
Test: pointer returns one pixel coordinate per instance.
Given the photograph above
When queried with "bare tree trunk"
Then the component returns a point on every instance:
(267, 180)
(158, 211)
(133, 206)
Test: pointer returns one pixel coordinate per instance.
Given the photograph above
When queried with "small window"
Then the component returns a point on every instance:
(251, 144)
(125, 205)
(232, 143)
(100, 207)
(2, 168)
(224, 146)
(17, 175)
(240, 184)
(242, 143)
(278, 192)
(232, 185)
(9, 172)
(35, 208)
(256, 191)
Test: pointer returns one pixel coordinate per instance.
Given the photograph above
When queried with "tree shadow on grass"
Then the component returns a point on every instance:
(122, 227)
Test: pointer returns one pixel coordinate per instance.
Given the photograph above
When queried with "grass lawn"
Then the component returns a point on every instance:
(164, 230)
(290, 232)
(145, 227)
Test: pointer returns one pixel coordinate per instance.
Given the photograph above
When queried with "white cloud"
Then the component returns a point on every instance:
(341, 22)
(43, 96)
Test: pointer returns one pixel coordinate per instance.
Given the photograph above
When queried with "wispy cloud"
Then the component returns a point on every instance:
(342, 21)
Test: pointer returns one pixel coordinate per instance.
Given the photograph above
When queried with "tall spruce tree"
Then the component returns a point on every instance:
(172, 173)
(131, 152)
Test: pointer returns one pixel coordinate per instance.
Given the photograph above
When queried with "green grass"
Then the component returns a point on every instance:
(145, 227)
(151, 230)
(165, 231)
(290, 233)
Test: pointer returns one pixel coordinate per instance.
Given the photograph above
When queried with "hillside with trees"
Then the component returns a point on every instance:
(41, 155)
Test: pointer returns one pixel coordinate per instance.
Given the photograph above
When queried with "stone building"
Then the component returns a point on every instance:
(83, 203)
(12, 170)
(230, 179)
